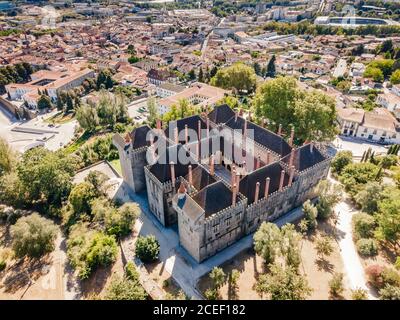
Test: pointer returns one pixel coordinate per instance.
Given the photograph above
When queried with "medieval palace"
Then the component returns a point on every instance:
(238, 175)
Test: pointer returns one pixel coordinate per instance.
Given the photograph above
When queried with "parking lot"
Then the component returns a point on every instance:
(137, 110)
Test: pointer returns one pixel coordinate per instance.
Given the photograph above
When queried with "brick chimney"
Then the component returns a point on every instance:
(280, 129)
(208, 127)
(257, 192)
(234, 195)
(233, 176)
(176, 135)
(181, 191)
(291, 159)
(244, 165)
(199, 129)
(281, 180)
(236, 115)
(267, 182)
(212, 164)
(186, 134)
(291, 137)
(291, 175)
(245, 129)
(258, 162)
(159, 124)
(198, 150)
(190, 175)
(172, 173)
(311, 147)
(268, 157)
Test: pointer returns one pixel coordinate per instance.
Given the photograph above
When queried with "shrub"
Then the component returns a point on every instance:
(390, 277)
(355, 175)
(147, 248)
(367, 247)
(125, 289)
(374, 275)
(336, 284)
(3, 265)
(364, 225)
(341, 160)
(397, 263)
(80, 197)
(211, 294)
(359, 294)
(389, 292)
(33, 236)
(88, 249)
(310, 214)
(130, 272)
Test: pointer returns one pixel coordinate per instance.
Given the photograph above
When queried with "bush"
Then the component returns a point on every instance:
(33, 236)
(341, 160)
(389, 292)
(374, 275)
(367, 247)
(211, 294)
(390, 277)
(125, 289)
(355, 175)
(359, 294)
(336, 284)
(364, 225)
(147, 248)
(80, 197)
(3, 265)
(88, 249)
(131, 272)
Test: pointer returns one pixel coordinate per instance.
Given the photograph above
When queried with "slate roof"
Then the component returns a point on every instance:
(189, 206)
(262, 136)
(191, 122)
(214, 198)
(304, 158)
(221, 114)
(138, 136)
(247, 185)
(201, 178)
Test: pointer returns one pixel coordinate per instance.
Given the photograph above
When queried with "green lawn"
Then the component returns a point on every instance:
(116, 164)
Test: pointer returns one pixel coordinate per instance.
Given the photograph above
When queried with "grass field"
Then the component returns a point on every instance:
(117, 166)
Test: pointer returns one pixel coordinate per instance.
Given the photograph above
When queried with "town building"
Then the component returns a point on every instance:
(217, 197)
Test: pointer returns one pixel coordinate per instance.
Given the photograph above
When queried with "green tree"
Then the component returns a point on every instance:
(7, 157)
(86, 115)
(324, 247)
(283, 284)
(336, 286)
(395, 77)
(310, 215)
(271, 70)
(257, 68)
(359, 294)
(152, 108)
(81, 196)
(238, 76)
(266, 241)
(341, 160)
(218, 277)
(44, 103)
(33, 236)
(329, 195)
(388, 220)
(355, 175)
(290, 245)
(230, 101)
(364, 225)
(367, 198)
(125, 289)
(147, 248)
(375, 73)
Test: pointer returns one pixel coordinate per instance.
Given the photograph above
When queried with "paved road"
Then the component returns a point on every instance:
(352, 264)
(357, 146)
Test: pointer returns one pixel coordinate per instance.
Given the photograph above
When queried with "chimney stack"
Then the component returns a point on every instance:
(280, 129)
(176, 135)
(190, 175)
(199, 129)
(281, 180)
(208, 127)
(291, 175)
(291, 137)
(212, 164)
(267, 181)
(244, 165)
(159, 124)
(198, 150)
(311, 147)
(268, 157)
(233, 176)
(258, 162)
(257, 192)
(186, 134)
(234, 195)
(245, 129)
(236, 115)
(172, 173)
(291, 159)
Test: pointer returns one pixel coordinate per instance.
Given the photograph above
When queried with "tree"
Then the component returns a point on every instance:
(97, 180)
(80, 197)
(355, 175)
(200, 76)
(336, 287)
(44, 103)
(7, 157)
(33, 236)
(283, 284)
(341, 160)
(182, 110)
(86, 115)
(218, 277)
(329, 195)
(266, 241)
(238, 76)
(389, 292)
(125, 289)
(232, 102)
(388, 220)
(310, 214)
(364, 225)
(375, 73)
(233, 283)
(152, 108)
(271, 70)
(257, 68)
(46, 176)
(367, 247)
(367, 198)
(324, 247)
(359, 294)
(395, 77)
(147, 248)
(87, 249)
(290, 246)
(311, 113)
(192, 74)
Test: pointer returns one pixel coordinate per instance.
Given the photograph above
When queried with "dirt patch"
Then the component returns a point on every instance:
(164, 280)
(250, 266)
